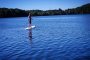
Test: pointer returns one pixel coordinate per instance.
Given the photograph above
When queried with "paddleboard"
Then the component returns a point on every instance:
(30, 27)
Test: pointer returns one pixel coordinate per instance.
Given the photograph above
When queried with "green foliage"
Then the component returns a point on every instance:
(5, 12)
(85, 9)
(8, 12)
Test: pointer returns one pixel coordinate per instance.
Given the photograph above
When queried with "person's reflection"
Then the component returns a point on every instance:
(30, 35)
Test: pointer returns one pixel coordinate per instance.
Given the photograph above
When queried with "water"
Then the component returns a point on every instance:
(65, 37)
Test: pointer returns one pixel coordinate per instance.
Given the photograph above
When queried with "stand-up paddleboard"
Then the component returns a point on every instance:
(31, 27)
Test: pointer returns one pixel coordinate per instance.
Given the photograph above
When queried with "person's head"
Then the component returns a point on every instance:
(29, 14)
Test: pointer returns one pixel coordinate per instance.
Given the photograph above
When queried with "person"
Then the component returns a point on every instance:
(29, 19)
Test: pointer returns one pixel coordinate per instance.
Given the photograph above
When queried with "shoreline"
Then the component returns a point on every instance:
(46, 15)
(10, 12)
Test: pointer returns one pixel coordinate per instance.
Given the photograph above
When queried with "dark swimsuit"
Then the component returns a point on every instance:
(29, 19)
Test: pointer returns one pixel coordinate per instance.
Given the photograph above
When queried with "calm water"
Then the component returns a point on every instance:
(65, 37)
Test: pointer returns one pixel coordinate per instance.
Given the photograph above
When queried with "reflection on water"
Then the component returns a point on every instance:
(30, 35)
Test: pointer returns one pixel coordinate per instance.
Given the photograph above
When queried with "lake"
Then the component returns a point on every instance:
(61, 37)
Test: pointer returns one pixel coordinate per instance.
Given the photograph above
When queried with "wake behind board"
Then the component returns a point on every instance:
(30, 27)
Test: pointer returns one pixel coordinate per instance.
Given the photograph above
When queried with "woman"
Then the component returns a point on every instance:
(29, 19)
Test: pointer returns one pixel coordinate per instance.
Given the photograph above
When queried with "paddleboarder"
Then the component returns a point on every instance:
(30, 22)
(29, 19)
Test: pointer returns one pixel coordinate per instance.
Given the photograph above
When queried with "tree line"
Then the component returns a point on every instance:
(9, 12)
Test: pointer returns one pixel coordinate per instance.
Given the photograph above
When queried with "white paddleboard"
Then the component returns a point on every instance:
(30, 27)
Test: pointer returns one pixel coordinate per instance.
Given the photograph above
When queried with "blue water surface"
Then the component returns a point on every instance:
(61, 37)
